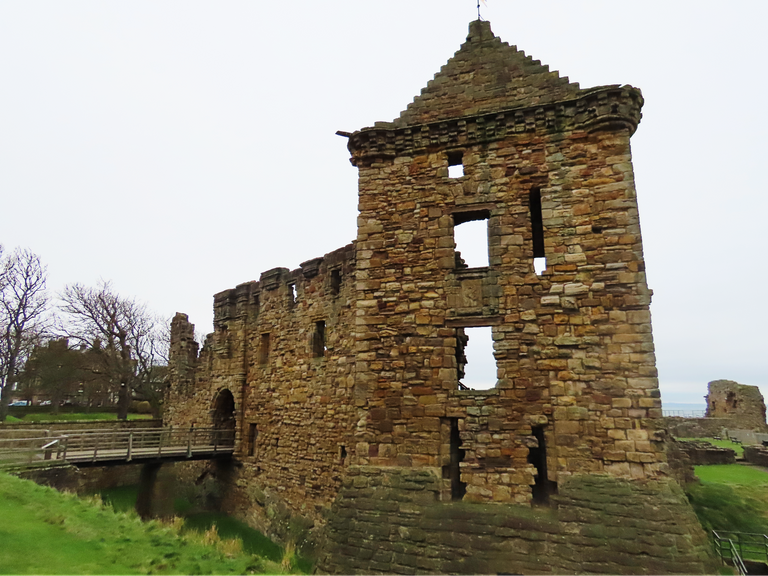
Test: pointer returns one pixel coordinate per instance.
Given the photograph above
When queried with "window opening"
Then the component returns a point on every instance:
(537, 231)
(470, 234)
(264, 348)
(318, 340)
(342, 454)
(475, 363)
(537, 456)
(455, 164)
(292, 293)
(452, 470)
(253, 433)
(335, 282)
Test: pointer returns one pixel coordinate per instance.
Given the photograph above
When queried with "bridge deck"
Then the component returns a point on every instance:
(98, 448)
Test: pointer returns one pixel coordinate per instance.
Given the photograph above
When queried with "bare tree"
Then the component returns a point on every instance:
(129, 338)
(23, 305)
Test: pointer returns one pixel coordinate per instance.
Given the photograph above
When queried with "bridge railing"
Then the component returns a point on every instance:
(124, 444)
(684, 413)
(736, 547)
(23, 451)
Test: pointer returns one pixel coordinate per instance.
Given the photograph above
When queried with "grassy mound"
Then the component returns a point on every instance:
(46, 532)
(731, 497)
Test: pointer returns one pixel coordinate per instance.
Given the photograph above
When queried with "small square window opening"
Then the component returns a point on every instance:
(455, 164)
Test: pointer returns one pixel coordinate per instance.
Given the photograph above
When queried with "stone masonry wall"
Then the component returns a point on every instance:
(756, 455)
(573, 346)
(424, 474)
(292, 386)
(390, 521)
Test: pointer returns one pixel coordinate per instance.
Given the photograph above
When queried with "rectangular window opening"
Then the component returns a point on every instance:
(475, 363)
(537, 231)
(292, 293)
(264, 348)
(543, 487)
(318, 340)
(452, 470)
(335, 282)
(455, 164)
(253, 433)
(470, 234)
(342, 454)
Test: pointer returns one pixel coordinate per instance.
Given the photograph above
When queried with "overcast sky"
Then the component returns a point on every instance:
(179, 148)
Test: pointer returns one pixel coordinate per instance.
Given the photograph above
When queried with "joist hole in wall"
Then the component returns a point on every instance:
(477, 367)
(455, 164)
(470, 234)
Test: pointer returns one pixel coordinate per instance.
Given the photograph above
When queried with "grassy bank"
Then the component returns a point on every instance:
(731, 497)
(253, 542)
(45, 532)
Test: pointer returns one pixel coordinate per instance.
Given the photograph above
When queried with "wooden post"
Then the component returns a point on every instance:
(130, 447)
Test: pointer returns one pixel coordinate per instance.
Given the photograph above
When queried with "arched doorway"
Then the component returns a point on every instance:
(224, 414)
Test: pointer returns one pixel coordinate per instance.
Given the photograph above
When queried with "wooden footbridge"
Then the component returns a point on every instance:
(108, 448)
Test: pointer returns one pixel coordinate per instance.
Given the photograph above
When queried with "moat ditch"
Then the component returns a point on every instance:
(200, 519)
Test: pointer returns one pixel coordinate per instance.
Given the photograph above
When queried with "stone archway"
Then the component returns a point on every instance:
(224, 410)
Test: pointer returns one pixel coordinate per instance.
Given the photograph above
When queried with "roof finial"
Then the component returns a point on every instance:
(478, 8)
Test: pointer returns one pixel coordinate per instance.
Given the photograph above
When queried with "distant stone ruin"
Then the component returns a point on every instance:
(344, 378)
(742, 404)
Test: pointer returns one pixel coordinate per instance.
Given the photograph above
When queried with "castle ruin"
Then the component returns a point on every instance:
(344, 378)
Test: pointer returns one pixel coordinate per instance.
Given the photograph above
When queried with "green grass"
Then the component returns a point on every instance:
(748, 477)
(738, 448)
(45, 532)
(254, 542)
(37, 417)
(732, 497)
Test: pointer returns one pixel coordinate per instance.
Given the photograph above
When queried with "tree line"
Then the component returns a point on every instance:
(86, 344)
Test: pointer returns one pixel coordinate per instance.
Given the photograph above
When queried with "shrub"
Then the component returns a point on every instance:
(144, 407)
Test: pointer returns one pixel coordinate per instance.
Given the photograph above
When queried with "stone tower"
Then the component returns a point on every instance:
(443, 476)
(345, 379)
(547, 169)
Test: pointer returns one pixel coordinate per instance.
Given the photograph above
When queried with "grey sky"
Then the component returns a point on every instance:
(179, 148)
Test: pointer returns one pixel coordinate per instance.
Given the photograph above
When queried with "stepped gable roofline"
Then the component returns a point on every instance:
(489, 89)
(486, 75)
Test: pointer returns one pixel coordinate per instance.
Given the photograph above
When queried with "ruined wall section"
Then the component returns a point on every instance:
(282, 346)
(741, 403)
(299, 402)
(573, 346)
